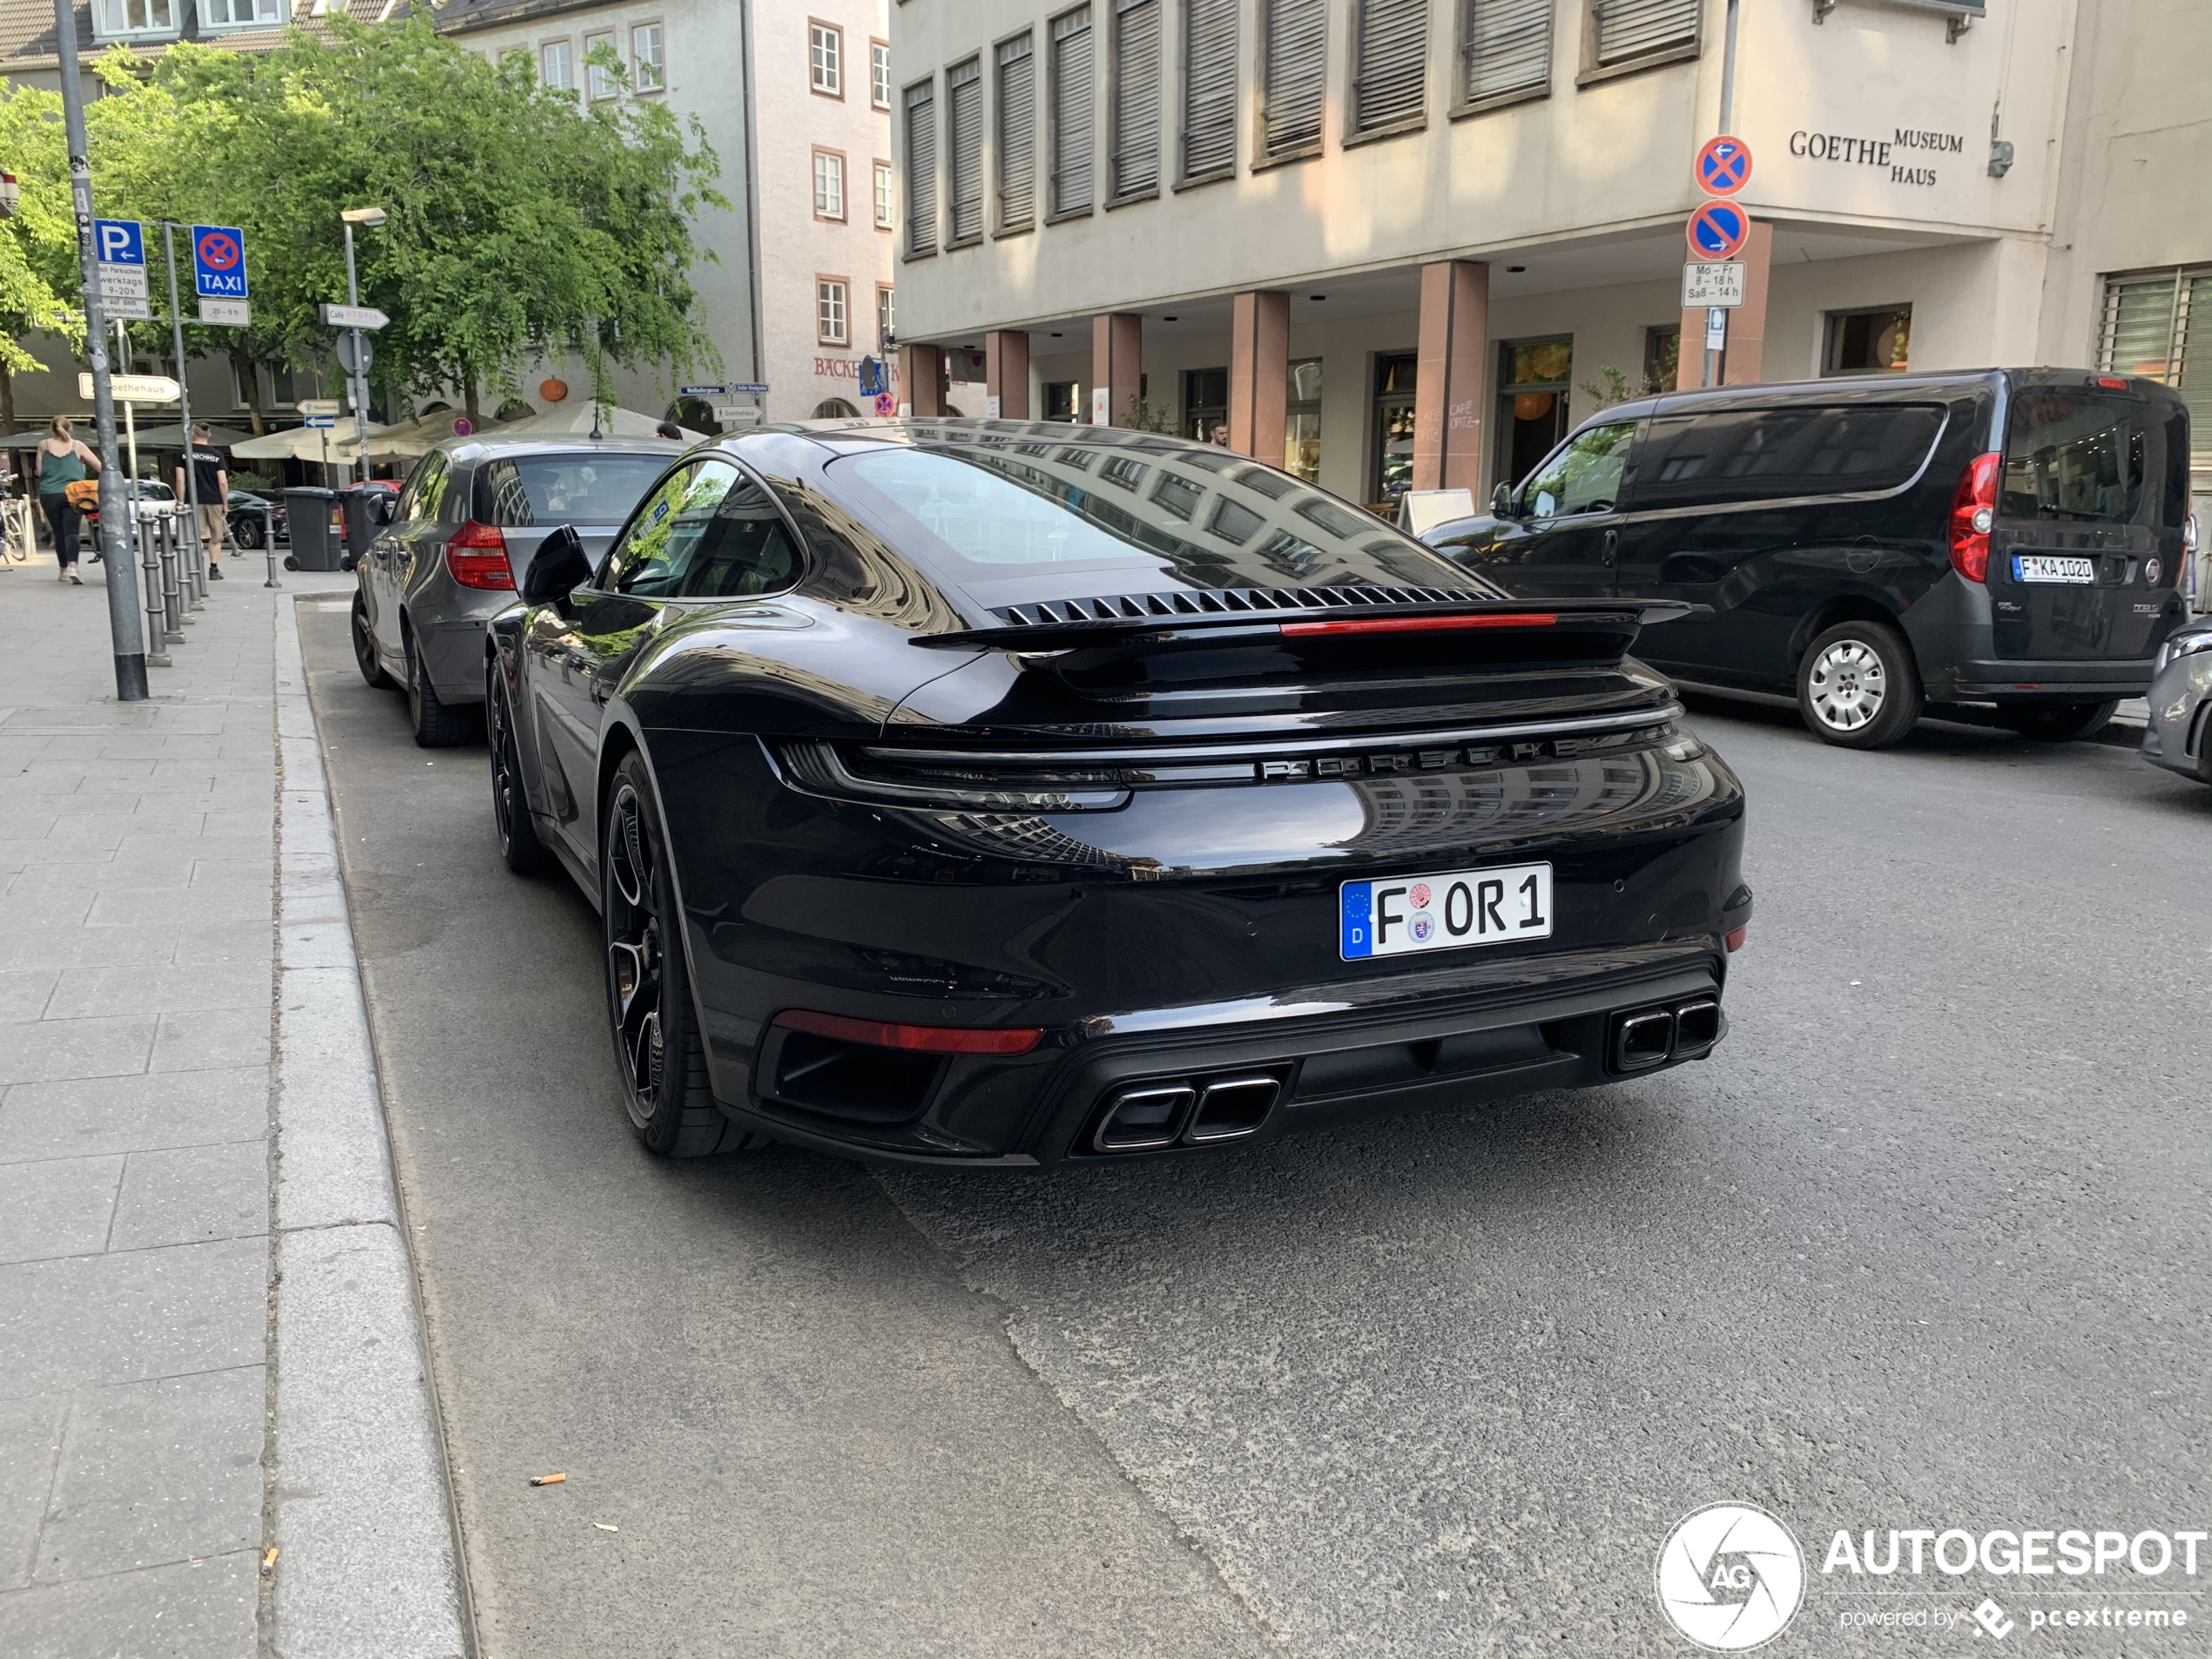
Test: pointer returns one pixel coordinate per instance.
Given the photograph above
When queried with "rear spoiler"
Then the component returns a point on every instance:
(1510, 615)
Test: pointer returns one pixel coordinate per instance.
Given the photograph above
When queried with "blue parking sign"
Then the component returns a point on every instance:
(219, 261)
(119, 241)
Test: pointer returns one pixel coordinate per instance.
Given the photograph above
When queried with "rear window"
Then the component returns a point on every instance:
(1761, 454)
(2074, 458)
(517, 490)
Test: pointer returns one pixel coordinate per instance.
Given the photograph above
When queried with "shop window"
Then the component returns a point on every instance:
(1534, 377)
(1205, 404)
(1869, 342)
(1393, 476)
(1662, 359)
(1301, 421)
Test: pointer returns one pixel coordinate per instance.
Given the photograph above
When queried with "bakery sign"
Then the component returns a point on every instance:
(1908, 155)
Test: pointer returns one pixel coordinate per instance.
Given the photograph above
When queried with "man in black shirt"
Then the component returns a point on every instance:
(212, 479)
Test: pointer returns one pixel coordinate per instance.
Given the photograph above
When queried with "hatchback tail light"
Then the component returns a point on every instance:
(476, 557)
(1973, 510)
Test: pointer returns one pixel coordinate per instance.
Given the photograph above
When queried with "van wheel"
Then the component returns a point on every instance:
(2058, 722)
(1858, 686)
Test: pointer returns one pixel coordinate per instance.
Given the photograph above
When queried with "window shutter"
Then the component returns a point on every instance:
(1390, 84)
(1629, 29)
(1135, 154)
(1017, 134)
(1209, 87)
(922, 168)
(1507, 47)
(1071, 111)
(1295, 71)
(964, 130)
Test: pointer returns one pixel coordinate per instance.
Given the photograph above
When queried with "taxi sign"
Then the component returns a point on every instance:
(219, 261)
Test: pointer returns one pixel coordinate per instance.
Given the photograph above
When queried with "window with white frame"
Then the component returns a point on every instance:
(831, 326)
(825, 58)
(556, 66)
(886, 319)
(111, 18)
(218, 15)
(1505, 48)
(887, 196)
(829, 185)
(600, 81)
(648, 58)
(879, 73)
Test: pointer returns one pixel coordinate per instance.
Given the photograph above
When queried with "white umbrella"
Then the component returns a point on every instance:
(315, 443)
(564, 419)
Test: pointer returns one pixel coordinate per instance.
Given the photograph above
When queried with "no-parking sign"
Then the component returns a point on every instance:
(1717, 230)
(219, 261)
(1723, 166)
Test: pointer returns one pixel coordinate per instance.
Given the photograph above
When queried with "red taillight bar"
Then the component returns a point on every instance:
(1973, 510)
(1422, 624)
(1733, 937)
(916, 1039)
(476, 557)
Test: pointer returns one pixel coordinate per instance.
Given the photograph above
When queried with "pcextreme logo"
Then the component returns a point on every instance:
(1730, 1577)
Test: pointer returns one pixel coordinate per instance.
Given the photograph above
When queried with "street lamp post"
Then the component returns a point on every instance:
(371, 218)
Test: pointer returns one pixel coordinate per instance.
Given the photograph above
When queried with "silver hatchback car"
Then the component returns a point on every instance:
(456, 543)
(2180, 694)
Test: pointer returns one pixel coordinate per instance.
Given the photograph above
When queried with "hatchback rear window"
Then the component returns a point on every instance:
(518, 490)
(2073, 458)
(1763, 454)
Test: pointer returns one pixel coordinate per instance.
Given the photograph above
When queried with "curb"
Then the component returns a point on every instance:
(369, 1567)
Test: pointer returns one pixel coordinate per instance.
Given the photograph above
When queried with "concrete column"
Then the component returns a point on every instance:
(1260, 374)
(1006, 372)
(922, 377)
(1117, 351)
(1447, 392)
(1745, 360)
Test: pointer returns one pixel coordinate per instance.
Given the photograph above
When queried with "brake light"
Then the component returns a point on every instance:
(476, 557)
(915, 1039)
(1973, 510)
(1735, 936)
(1422, 624)
(2112, 382)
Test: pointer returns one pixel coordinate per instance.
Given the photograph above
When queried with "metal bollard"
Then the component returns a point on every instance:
(173, 604)
(158, 634)
(198, 550)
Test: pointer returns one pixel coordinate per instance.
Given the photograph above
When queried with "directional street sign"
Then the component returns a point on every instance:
(134, 389)
(354, 317)
(318, 422)
(318, 406)
(1723, 166)
(121, 244)
(706, 394)
(750, 388)
(228, 313)
(1712, 285)
(1717, 230)
(219, 261)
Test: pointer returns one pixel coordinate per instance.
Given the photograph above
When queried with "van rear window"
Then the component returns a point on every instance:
(2073, 458)
(1761, 454)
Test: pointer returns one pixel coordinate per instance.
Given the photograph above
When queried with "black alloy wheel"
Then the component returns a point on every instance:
(365, 657)
(658, 1052)
(436, 727)
(510, 809)
(2060, 722)
(246, 531)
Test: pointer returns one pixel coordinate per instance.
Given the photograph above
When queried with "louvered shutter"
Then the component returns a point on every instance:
(964, 132)
(1507, 47)
(1296, 69)
(1209, 86)
(1017, 134)
(922, 168)
(1071, 111)
(1390, 83)
(1135, 153)
(1629, 29)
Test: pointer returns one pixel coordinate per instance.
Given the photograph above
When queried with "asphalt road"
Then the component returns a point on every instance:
(1921, 1246)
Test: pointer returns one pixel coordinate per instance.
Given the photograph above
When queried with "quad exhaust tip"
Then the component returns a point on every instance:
(1650, 1037)
(1151, 1116)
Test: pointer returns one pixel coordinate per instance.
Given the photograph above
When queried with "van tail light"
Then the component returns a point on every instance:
(476, 557)
(1973, 510)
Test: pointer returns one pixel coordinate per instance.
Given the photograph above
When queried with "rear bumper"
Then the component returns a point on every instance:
(1953, 632)
(2021, 682)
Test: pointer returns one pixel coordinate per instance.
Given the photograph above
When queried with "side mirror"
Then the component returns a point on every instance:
(1501, 502)
(558, 568)
(383, 506)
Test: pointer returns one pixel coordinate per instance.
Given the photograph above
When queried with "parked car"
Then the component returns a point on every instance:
(2008, 538)
(140, 489)
(256, 521)
(986, 793)
(454, 542)
(2180, 692)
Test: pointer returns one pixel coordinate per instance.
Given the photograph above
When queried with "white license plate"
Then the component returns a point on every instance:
(2047, 567)
(1404, 913)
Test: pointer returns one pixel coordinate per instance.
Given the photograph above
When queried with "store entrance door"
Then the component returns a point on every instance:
(1534, 379)
(1393, 471)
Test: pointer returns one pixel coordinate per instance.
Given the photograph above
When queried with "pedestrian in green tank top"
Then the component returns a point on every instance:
(62, 460)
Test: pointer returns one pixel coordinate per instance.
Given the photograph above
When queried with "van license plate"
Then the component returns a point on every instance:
(1414, 912)
(2044, 567)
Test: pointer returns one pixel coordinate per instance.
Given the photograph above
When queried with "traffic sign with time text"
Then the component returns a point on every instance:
(1717, 230)
(219, 261)
(1723, 166)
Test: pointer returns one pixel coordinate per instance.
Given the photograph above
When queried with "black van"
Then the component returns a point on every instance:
(1998, 536)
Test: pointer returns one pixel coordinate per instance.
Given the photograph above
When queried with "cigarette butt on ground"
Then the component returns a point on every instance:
(547, 1480)
(269, 1556)
(603, 1527)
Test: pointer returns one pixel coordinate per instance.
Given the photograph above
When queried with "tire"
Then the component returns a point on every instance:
(510, 809)
(245, 532)
(436, 727)
(365, 657)
(658, 1056)
(1858, 686)
(2058, 722)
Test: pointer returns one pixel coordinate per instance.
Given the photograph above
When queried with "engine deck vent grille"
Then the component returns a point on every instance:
(1215, 602)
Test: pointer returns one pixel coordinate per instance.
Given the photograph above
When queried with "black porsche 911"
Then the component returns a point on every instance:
(991, 793)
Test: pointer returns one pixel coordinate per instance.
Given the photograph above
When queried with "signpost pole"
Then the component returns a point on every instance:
(1728, 121)
(126, 631)
(360, 381)
(183, 399)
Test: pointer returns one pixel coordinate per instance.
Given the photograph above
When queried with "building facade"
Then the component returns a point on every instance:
(1408, 243)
